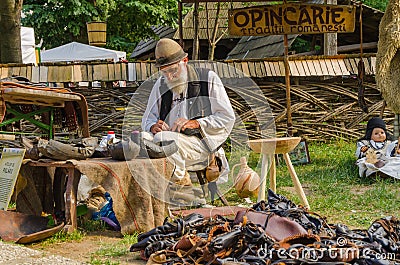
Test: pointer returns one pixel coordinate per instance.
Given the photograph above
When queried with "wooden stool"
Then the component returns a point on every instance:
(268, 148)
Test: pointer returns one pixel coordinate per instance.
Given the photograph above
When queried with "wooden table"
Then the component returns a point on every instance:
(70, 192)
(135, 208)
(46, 98)
(268, 148)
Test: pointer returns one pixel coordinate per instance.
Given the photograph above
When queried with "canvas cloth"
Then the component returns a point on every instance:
(135, 209)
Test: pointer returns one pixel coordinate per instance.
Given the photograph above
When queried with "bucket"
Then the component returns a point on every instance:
(97, 33)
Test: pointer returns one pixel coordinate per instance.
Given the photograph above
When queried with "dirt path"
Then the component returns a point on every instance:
(95, 246)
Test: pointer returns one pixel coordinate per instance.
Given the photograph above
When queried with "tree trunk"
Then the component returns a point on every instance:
(10, 31)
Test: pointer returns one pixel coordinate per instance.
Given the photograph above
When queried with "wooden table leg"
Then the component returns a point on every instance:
(272, 175)
(70, 200)
(296, 182)
(264, 170)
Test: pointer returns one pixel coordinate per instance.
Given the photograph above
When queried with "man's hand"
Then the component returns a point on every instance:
(159, 126)
(364, 148)
(182, 124)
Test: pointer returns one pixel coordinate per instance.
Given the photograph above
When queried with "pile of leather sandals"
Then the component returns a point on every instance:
(273, 232)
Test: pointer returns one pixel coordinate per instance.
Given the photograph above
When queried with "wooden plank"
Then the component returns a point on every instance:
(22, 71)
(220, 70)
(293, 69)
(100, 72)
(343, 67)
(373, 65)
(237, 70)
(305, 67)
(231, 70)
(124, 73)
(329, 67)
(67, 73)
(348, 65)
(43, 74)
(324, 67)
(273, 69)
(29, 72)
(336, 67)
(367, 66)
(317, 67)
(131, 72)
(138, 72)
(143, 71)
(312, 67)
(258, 69)
(42, 97)
(154, 70)
(117, 71)
(252, 69)
(84, 72)
(353, 64)
(35, 74)
(52, 74)
(4, 72)
(281, 67)
(90, 73)
(14, 71)
(267, 69)
(300, 68)
(76, 73)
(111, 71)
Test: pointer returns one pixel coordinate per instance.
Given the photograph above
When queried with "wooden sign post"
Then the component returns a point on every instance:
(291, 18)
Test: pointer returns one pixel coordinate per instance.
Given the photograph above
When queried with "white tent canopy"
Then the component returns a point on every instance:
(76, 51)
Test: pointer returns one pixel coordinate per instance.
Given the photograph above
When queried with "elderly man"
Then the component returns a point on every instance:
(190, 106)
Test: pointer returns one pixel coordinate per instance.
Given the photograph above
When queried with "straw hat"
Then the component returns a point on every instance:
(387, 57)
(168, 52)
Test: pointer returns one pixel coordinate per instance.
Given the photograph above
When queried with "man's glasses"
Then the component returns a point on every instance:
(171, 70)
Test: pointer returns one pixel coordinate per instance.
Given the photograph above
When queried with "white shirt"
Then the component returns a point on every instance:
(215, 127)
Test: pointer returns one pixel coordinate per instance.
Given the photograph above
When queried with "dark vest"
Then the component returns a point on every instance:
(198, 104)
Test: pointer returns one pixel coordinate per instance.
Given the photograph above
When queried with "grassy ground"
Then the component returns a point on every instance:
(334, 188)
(331, 182)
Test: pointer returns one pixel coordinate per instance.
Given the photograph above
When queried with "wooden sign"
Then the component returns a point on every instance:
(10, 163)
(291, 19)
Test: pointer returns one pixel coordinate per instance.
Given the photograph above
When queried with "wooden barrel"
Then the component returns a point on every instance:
(97, 33)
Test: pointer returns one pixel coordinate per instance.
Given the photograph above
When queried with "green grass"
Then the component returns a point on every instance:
(335, 190)
(108, 252)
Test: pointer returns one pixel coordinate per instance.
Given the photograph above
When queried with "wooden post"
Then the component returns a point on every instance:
(195, 54)
(287, 81)
(330, 39)
(180, 18)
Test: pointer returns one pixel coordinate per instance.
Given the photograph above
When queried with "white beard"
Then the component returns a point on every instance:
(178, 84)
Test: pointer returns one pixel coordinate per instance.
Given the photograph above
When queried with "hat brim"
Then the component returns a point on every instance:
(173, 59)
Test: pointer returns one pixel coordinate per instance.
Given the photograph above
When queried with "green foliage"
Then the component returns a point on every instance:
(378, 4)
(58, 22)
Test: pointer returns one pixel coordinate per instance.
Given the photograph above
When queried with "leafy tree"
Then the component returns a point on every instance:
(10, 28)
(58, 22)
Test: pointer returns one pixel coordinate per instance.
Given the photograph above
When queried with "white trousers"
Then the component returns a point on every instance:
(192, 154)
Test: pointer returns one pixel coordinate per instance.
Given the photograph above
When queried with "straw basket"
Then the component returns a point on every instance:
(97, 33)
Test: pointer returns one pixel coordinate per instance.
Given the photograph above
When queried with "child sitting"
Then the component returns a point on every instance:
(377, 151)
